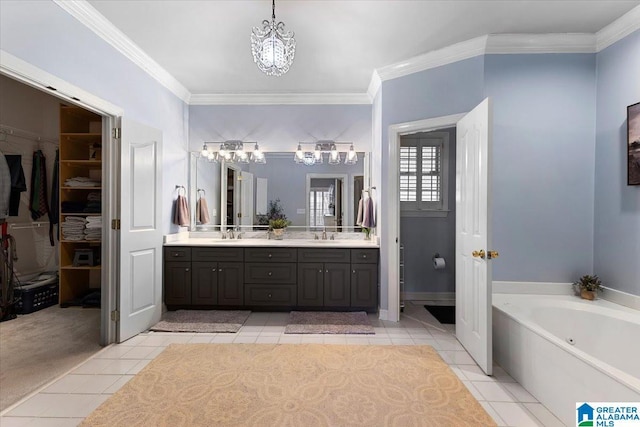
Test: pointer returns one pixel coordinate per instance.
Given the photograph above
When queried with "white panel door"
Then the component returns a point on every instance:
(246, 199)
(473, 268)
(140, 298)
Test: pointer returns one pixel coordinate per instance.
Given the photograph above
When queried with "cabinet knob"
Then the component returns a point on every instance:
(213, 269)
(364, 256)
(270, 255)
(176, 254)
(319, 271)
(354, 272)
(270, 273)
(186, 269)
(269, 295)
(326, 271)
(220, 270)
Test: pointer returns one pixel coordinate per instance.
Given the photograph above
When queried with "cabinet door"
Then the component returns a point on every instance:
(337, 285)
(204, 283)
(177, 283)
(364, 285)
(230, 283)
(311, 284)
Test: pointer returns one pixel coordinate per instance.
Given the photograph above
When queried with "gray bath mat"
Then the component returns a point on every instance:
(328, 322)
(202, 321)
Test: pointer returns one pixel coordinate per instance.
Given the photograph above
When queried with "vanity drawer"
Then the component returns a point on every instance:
(177, 253)
(323, 255)
(217, 254)
(271, 254)
(364, 256)
(263, 272)
(266, 295)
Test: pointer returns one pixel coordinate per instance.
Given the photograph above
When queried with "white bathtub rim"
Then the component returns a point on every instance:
(616, 374)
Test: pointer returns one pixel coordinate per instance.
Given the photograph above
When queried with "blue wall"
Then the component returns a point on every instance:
(43, 34)
(616, 255)
(450, 89)
(543, 165)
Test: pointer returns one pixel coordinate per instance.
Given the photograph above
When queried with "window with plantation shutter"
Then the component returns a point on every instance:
(423, 181)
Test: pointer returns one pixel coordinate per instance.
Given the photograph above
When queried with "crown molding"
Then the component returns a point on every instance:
(618, 29)
(436, 58)
(96, 22)
(280, 99)
(541, 43)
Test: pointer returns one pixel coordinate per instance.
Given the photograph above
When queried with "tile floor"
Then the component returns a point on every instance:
(70, 398)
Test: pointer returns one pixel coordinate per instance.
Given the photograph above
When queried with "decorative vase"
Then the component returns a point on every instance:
(278, 233)
(590, 295)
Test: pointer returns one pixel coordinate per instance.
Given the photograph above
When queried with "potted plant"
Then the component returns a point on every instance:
(277, 226)
(588, 286)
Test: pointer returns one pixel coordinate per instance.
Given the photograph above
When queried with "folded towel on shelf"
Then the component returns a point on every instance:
(92, 225)
(81, 181)
(202, 211)
(181, 212)
(94, 197)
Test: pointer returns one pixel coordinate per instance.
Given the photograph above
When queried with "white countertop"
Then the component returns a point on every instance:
(285, 243)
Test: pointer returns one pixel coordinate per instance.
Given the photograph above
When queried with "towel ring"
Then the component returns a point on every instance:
(178, 187)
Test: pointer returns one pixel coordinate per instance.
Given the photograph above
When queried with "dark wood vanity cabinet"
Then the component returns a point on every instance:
(203, 277)
(277, 278)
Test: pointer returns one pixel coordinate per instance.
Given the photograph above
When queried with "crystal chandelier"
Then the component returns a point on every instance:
(273, 47)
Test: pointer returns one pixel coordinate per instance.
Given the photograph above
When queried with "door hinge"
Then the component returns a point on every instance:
(116, 133)
(115, 224)
(115, 316)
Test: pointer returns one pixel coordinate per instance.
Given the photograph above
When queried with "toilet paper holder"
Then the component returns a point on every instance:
(436, 255)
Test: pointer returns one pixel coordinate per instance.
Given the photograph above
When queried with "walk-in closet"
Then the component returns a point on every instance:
(51, 237)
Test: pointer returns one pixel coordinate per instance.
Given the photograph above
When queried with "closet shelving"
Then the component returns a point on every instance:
(80, 156)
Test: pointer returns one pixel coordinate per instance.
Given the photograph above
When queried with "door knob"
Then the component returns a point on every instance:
(270, 273)
(478, 254)
(492, 254)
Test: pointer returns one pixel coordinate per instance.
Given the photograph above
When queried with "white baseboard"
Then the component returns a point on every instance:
(429, 296)
(383, 314)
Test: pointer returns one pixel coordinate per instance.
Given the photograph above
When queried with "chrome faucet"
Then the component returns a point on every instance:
(324, 234)
(230, 233)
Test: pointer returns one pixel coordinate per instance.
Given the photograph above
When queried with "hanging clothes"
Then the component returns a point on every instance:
(181, 211)
(5, 187)
(18, 182)
(202, 211)
(38, 204)
(54, 212)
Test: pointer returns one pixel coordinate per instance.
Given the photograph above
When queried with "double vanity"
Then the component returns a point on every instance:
(263, 274)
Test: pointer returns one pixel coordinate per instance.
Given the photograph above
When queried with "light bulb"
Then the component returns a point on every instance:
(318, 152)
(205, 150)
(223, 152)
(299, 152)
(334, 151)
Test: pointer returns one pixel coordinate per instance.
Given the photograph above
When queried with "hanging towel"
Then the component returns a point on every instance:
(181, 212)
(18, 182)
(359, 217)
(54, 212)
(368, 213)
(202, 211)
(38, 201)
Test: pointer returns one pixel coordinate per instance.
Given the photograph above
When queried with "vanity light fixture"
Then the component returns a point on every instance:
(272, 47)
(316, 156)
(233, 151)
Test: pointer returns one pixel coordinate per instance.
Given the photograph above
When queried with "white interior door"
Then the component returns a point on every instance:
(140, 297)
(473, 237)
(246, 199)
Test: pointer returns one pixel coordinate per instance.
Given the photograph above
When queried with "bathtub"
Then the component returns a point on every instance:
(565, 350)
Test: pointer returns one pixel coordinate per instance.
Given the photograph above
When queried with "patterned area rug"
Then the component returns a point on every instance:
(293, 385)
(202, 321)
(328, 322)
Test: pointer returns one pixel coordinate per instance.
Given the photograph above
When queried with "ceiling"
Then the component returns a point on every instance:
(205, 44)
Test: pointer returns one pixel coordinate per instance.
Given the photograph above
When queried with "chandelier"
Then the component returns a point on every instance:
(315, 157)
(233, 152)
(273, 47)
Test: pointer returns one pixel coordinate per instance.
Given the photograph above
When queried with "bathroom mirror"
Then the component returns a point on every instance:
(238, 194)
